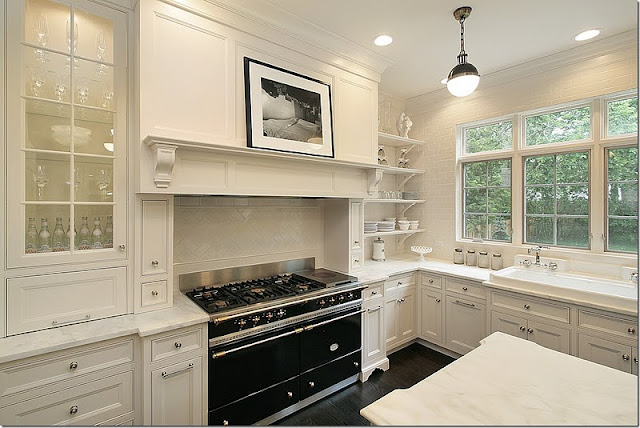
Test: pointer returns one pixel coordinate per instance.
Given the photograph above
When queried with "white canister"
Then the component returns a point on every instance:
(471, 258)
(483, 259)
(378, 250)
(458, 256)
(496, 261)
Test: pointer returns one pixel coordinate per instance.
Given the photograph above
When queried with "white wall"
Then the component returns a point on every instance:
(219, 232)
(602, 67)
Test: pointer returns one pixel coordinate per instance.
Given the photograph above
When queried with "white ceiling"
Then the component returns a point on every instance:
(499, 33)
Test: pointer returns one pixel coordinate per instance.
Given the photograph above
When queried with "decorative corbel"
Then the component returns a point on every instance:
(164, 157)
(374, 176)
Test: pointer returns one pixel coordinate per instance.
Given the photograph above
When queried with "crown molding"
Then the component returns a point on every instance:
(626, 41)
(267, 21)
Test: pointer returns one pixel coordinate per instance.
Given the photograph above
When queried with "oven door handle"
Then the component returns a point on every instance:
(220, 354)
(312, 326)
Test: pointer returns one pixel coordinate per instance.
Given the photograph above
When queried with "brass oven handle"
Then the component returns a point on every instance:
(311, 326)
(220, 354)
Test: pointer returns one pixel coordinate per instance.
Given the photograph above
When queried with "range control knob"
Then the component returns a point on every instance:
(255, 319)
(332, 300)
(350, 296)
(268, 316)
(341, 298)
(241, 323)
(321, 302)
(281, 313)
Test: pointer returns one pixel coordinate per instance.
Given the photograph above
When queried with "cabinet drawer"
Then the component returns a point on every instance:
(329, 374)
(55, 367)
(85, 404)
(397, 282)
(431, 280)
(467, 288)
(175, 344)
(154, 293)
(528, 305)
(44, 301)
(374, 291)
(356, 260)
(607, 324)
(154, 237)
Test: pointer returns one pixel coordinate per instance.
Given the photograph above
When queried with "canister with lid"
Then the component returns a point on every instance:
(471, 257)
(458, 256)
(496, 261)
(483, 259)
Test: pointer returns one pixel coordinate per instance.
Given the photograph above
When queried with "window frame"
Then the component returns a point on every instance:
(555, 109)
(606, 198)
(596, 147)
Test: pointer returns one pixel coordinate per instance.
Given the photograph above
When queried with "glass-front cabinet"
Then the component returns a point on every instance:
(66, 132)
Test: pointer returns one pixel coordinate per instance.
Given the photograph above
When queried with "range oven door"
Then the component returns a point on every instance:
(241, 368)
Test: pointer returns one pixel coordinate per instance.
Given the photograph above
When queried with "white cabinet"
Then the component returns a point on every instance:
(546, 335)
(465, 323)
(176, 397)
(606, 352)
(154, 253)
(175, 377)
(87, 385)
(343, 234)
(374, 348)
(400, 310)
(431, 315)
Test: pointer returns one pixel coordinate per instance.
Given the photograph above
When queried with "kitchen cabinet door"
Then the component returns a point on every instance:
(176, 394)
(515, 326)
(374, 338)
(605, 352)
(549, 336)
(407, 315)
(391, 319)
(154, 237)
(431, 315)
(634, 363)
(466, 324)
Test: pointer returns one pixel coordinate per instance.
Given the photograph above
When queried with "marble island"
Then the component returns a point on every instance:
(511, 381)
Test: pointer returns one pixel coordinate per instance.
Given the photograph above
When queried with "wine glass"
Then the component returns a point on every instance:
(107, 94)
(41, 179)
(103, 180)
(41, 28)
(101, 50)
(72, 39)
(38, 79)
(82, 86)
(60, 85)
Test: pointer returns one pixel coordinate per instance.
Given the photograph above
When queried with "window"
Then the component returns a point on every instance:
(622, 199)
(496, 136)
(487, 200)
(622, 117)
(565, 125)
(557, 200)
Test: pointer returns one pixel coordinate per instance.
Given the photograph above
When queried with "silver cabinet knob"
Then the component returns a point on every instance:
(437, 300)
(526, 306)
(464, 288)
(178, 345)
(635, 360)
(431, 281)
(356, 261)
(290, 394)
(73, 410)
(122, 247)
(625, 357)
(225, 423)
(522, 328)
(356, 364)
(631, 330)
(154, 293)
(374, 293)
(73, 365)
(529, 330)
(356, 242)
(311, 384)
(154, 263)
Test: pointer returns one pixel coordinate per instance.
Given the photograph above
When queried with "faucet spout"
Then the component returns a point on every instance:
(536, 250)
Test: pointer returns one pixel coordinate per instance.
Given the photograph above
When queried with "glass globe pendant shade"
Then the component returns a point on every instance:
(463, 80)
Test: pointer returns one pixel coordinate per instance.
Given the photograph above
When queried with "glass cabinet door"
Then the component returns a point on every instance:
(67, 132)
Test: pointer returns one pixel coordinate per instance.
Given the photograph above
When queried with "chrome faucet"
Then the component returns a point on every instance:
(537, 249)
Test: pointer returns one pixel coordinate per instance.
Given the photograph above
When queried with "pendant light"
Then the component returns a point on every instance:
(463, 78)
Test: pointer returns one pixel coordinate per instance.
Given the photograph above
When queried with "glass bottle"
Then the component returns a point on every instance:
(496, 261)
(108, 233)
(59, 236)
(96, 235)
(31, 238)
(45, 237)
(471, 257)
(85, 235)
(483, 259)
(72, 236)
(458, 256)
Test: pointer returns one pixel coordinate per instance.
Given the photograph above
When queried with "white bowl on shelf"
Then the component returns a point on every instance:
(403, 226)
(422, 250)
(413, 224)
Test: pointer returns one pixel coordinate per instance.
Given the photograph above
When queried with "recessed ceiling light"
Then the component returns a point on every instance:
(586, 35)
(383, 40)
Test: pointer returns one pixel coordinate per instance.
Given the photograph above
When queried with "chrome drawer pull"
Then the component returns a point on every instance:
(154, 293)
(169, 374)
(356, 261)
(356, 242)
(73, 365)
(431, 281)
(471, 305)
(86, 317)
(374, 309)
(154, 263)
(373, 293)
(522, 328)
(73, 410)
(437, 300)
(526, 306)
(178, 345)
(635, 360)
(356, 364)
(464, 288)
(625, 357)
(290, 394)
(225, 423)
(631, 330)
(530, 330)
(312, 384)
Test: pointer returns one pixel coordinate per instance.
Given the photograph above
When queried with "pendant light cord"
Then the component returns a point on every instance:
(462, 57)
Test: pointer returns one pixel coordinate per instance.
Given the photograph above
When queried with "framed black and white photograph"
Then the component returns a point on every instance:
(287, 111)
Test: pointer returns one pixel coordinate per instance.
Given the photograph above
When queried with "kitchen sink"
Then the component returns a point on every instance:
(578, 287)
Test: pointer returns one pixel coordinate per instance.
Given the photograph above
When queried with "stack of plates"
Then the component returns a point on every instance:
(370, 226)
(386, 226)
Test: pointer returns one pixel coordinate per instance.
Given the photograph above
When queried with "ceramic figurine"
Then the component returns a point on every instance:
(404, 125)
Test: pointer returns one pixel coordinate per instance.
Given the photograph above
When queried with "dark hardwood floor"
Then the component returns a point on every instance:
(408, 366)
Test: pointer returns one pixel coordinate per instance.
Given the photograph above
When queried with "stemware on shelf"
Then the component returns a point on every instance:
(82, 86)
(38, 79)
(101, 50)
(72, 39)
(107, 94)
(103, 180)
(41, 28)
(41, 179)
(60, 85)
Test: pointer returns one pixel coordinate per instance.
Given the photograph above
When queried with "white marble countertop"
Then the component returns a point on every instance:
(511, 381)
(184, 313)
(379, 271)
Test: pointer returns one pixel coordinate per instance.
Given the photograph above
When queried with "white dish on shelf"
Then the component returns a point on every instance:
(62, 134)
(422, 250)
(404, 226)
